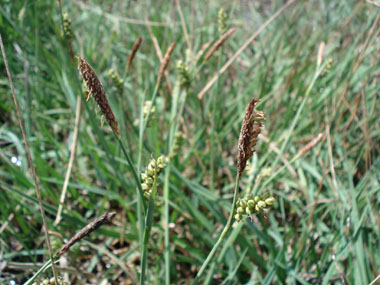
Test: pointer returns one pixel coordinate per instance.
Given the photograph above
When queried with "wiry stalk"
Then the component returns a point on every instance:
(30, 162)
(226, 228)
(143, 125)
(147, 229)
(250, 129)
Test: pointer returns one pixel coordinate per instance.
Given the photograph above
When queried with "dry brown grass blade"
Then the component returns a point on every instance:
(135, 48)
(219, 43)
(243, 47)
(160, 57)
(276, 150)
(71, 161)
(310, 145)
(183, 23)
(30, 162)
(106, 217)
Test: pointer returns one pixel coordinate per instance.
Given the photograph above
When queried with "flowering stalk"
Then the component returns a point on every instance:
(106, 217)
(246, 207)
(95, 88)
(251, 128)
(154, 169)
(149, 185)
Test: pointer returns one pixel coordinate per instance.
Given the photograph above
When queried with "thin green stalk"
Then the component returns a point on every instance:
(143, 124)
(211, 135)
(30, 161)
(175, 118)
(166, 222)
(144, 230)
(227, 227)
(148, 227)
(134, 172)
(297, 116)
(42, 269)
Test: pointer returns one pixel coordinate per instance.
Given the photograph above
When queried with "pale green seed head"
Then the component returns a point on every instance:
(257, 208)
(240, 210)
(251, 204)
(270, 201)
(243, 203)
(261, 204)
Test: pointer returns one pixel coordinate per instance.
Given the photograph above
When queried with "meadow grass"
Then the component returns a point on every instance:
(315, 70)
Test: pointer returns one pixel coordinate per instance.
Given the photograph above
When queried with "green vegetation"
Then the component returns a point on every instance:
(315, 70)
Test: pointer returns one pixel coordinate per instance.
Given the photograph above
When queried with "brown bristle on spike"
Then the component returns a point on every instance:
(96, 89)
(250, 129)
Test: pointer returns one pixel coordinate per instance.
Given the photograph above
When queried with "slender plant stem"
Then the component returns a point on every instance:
(147, 229)
(144, 232)
(134, 172)
(141, 199)
(42, 269)
(174, 121)
(227, 227)
(38, 192)
(212, 124)
(297, 116)
(166, 226)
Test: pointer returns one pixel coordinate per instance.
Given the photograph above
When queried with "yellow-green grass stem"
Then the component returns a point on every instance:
(226, 228)
(147, 229)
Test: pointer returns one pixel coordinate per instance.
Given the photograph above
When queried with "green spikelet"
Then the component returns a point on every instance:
(116, 80)
(328, 66)
(222, 21)
(250, 206)
(155, 167)
(67, 27)
(179, 140)
(183, 74)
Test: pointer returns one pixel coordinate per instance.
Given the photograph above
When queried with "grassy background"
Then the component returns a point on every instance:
(325, 223)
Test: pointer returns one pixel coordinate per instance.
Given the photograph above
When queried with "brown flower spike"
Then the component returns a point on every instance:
(135, 48)
(165, 62)
(250, 129)
(96, 89)
(219, 43)
(105, 218)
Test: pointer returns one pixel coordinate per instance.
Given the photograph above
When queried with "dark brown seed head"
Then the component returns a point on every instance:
(219, 43)
(250, 129)
(106, 217)
(96, 89)
(135, 48)
(165, 62)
